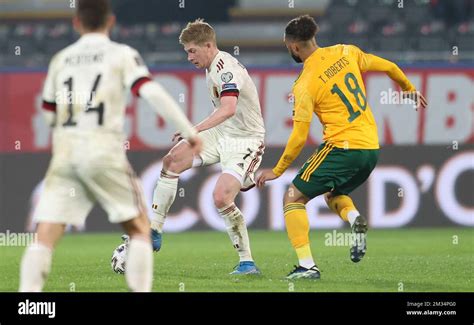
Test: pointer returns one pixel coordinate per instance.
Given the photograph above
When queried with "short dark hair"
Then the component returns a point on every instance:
(93, 13)
(302, 28)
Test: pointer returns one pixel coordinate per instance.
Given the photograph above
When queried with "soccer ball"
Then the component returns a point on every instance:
(118, 259)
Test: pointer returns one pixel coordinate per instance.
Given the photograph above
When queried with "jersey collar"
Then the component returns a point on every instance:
(309, 58)
(214, 61)
(93, 37)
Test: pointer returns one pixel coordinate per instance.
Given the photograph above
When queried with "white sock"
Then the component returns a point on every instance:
(307, 262)
(139, 265)
(163, 197)
(35, 267)
(237, 230)
(352, 215)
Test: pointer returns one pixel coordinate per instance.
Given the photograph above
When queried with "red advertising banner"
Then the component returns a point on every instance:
(448, 120)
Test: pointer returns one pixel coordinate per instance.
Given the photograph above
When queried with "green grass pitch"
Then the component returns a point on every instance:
(397, 260)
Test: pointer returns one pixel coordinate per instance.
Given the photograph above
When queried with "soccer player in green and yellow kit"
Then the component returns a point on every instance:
(330, 86)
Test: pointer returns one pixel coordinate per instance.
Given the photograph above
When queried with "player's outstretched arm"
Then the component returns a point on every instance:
(293, 148)
(370, 62)
(376, 63)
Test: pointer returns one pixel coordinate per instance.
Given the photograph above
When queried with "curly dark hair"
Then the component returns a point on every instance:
(302, 28)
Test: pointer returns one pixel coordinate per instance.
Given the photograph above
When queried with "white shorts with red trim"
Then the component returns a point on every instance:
(239, 157)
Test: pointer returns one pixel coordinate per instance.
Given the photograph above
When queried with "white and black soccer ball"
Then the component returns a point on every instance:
(118, 259)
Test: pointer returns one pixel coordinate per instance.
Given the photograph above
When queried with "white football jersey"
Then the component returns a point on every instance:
(226, 76)
(87, 86)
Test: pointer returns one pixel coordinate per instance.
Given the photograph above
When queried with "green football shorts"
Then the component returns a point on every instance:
(335, 169)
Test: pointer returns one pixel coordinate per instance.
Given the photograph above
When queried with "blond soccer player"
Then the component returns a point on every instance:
(233, 135)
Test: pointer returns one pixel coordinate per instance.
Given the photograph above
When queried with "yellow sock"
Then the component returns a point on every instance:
(297, 226)
(304, 253)
(342, 205)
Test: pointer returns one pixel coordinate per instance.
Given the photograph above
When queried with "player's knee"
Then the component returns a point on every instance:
(289, 197)
(292, 197)
(171, 163)
(221, 199)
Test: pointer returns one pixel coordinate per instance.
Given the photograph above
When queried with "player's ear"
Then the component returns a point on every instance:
(298, 47)
(111, 21)
(76, 23)
(294, 47)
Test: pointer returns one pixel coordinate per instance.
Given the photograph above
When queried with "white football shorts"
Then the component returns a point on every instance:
(239, 157)
(70, 191)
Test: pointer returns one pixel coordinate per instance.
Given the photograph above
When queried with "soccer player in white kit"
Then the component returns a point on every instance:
(84, 96)
(232, 135)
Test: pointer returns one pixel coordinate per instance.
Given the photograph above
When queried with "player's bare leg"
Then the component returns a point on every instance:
(139, 270)
(227, 188)
(179, 159)
(344, 207)
(297, 226)
(36, 262)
